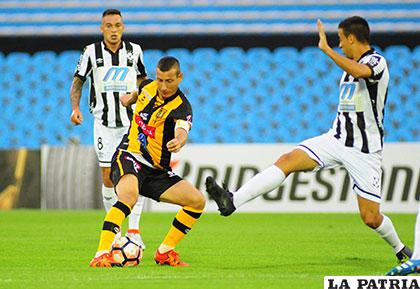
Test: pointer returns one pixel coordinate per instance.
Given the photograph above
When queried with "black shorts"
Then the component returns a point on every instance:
(152, 182)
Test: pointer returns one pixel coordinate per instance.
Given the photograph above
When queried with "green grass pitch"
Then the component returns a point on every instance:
(52, 249)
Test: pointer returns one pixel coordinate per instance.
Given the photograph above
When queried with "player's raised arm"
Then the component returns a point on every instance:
(75, 95)
(349, 62)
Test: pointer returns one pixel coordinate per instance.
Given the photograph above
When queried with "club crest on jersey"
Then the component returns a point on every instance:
(374, 60)
(130, 56)
(99, 61)
(161, 113)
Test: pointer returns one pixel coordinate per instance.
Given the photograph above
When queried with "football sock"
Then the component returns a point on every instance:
(112, 224)
(416, 252)
(387, 231)
(261, 183)
(181, 225)
(108, 197)
(134, 218)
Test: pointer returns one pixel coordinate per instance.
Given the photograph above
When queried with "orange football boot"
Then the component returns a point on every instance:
(104, 260)
(170, 258)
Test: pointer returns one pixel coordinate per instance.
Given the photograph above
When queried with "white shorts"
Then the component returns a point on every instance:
(364, 169)
(106, 140)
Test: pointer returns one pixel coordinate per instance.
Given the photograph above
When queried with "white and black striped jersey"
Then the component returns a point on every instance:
(111, 75)
(359, 121)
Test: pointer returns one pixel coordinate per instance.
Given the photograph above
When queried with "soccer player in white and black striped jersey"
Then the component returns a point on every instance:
(355, 140)
(114, 67)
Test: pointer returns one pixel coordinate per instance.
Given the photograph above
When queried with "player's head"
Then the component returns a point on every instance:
(168, 76)
(353, 31)
(112, 26)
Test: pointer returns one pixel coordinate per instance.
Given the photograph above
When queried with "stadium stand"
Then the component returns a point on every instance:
(238, 96)
(57, 17)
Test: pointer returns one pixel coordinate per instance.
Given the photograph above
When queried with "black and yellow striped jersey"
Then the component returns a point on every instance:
(153, 124)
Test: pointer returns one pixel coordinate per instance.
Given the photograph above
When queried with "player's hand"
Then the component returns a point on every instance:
(128, 99)
(174, 145)
(323, 43)
(76, 117)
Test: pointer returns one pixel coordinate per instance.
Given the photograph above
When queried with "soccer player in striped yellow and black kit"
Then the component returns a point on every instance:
(159, 127)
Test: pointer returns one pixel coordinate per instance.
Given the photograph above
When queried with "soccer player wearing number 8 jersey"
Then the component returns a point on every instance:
(114, 68)
(355, 141)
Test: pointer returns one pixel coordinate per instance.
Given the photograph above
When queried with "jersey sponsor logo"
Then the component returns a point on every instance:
(136, 165)
(144, 115)
(99, 61)
(114, 79)
(147, 129)
(142, 139)
(347, 90)
(115, 72)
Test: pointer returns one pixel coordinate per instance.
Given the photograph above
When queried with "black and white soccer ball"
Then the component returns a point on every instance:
(126, 252)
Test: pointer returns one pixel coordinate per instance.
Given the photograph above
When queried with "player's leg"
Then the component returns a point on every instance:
(373, 218)
(134, 222)
(302, 158)
(134, 218)
(365, 171)
(105, 145)
(108, 194)
(127, 188)
(413, 265)
(192, 201)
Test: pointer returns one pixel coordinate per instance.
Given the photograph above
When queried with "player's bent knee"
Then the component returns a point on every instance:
(198, 201)
(128, 198)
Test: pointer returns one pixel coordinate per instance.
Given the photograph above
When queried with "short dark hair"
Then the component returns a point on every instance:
(166, 63)
(357, 26)
(111, 12)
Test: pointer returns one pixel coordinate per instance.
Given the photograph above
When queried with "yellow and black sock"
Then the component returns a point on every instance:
(112, 224)
(181, 225)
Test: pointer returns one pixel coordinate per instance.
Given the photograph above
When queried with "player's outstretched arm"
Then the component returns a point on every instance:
(75, 95)
(175, 145)
(352, 67)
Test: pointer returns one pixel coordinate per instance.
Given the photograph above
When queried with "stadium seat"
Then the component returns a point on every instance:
(151, 58)
(234, 94)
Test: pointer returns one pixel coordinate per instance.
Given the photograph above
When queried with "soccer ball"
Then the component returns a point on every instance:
(126, 252)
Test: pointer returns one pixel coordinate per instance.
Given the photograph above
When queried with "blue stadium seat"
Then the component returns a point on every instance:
(238, 96)
(259, 53)
(151, 58)
(285, 53)
(231, 54)
(204, 55)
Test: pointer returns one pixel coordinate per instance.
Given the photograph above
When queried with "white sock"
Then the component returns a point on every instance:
(134, 217)
(416, 252)
(261, 183)
(387, 231)
(108, 197)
